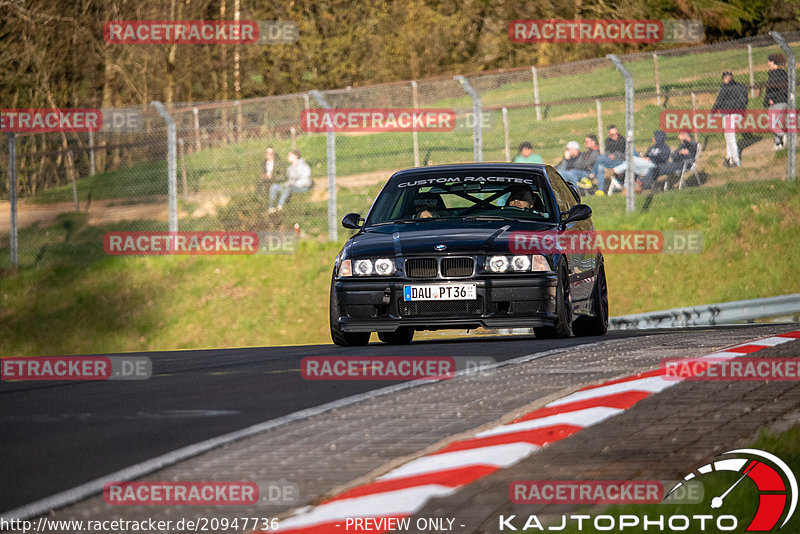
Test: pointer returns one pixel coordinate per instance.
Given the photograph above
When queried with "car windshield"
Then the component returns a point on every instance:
(446, 196)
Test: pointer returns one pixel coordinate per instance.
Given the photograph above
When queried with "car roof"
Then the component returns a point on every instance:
(471, 167)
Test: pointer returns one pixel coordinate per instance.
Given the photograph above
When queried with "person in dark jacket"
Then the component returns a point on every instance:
(731, 103)
(658, 154)
(684, 154)
(614, 155)
(776, 96)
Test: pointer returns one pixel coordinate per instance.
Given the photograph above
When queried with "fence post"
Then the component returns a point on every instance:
(629, 129)
(658, 83)
(184, 182)
(750, 67)
(477, 116)
(71, 165)
(507, 137)
(196, 114)
(307, 106)
(536, 93)
(415, 138)
(293, 131)
(694, 110)
(600, 139)
(333, 226)
(91, 153)
(791, 132)
(12, 195)
(172, 167)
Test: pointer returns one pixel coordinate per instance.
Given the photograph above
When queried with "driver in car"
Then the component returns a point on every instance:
(520, 197)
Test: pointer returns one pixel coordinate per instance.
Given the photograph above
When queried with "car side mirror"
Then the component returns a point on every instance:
(354, 221)
(578, 212)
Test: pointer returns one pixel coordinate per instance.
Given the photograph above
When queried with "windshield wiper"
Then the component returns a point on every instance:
(402, 221)
(488, 218)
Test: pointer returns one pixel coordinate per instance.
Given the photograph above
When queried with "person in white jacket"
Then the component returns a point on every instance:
(299, 181)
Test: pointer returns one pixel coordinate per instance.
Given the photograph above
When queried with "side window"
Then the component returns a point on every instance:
(564, 197)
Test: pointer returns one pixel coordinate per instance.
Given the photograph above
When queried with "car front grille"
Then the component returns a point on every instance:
(457, 267)
(421, 268)
(440, 308)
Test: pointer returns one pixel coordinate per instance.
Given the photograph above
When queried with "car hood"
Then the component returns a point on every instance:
(459, 237)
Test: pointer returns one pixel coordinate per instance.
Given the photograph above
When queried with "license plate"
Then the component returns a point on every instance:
(440, 292)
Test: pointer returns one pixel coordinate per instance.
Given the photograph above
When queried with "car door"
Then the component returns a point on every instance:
(580, 264)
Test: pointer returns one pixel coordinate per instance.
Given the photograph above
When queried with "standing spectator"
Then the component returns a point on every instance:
(526, 154)
(615, 153)
(658, 154)
(273, 167)
(298, 181)
(731, 103)
(776, 97)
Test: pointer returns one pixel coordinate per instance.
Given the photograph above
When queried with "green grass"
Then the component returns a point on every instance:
(236, 168)
(75, 299)
(741, 502)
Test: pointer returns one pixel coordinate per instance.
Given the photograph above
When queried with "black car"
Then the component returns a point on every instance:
(437, 251)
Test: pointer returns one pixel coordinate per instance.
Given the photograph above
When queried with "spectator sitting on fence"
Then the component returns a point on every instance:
(577, 165)
(298, 181)
(273, 167)
(615, 153)
(776, 97)
(526, 154)
(684, 154)
(731, 103)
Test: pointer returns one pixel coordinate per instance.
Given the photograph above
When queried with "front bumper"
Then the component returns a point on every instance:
(502, 302)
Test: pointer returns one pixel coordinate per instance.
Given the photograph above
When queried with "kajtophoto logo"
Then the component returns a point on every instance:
(776, 484)
(774, 481)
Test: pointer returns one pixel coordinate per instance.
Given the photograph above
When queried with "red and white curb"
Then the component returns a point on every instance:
(404, 491)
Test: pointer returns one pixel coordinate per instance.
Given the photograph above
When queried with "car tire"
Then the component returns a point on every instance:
(563, 326)
(401, 336)
(597, 324)
(339, 337)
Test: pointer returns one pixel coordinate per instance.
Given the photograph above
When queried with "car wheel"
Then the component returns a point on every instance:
(563, 326)
(401, 336)
(339, 337)
(597, 324)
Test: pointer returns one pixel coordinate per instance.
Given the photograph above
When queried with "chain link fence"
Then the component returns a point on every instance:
(72, 188)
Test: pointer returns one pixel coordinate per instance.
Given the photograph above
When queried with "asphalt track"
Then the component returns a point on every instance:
(57, 435)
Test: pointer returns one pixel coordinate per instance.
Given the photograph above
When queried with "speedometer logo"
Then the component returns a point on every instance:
(775, 482)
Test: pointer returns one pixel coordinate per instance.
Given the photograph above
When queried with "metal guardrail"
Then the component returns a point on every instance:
(738, 311)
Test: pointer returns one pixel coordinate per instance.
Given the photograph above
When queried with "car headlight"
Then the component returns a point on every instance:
(521, 263)
(498, 264)
(363, 267)
(384, 266)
